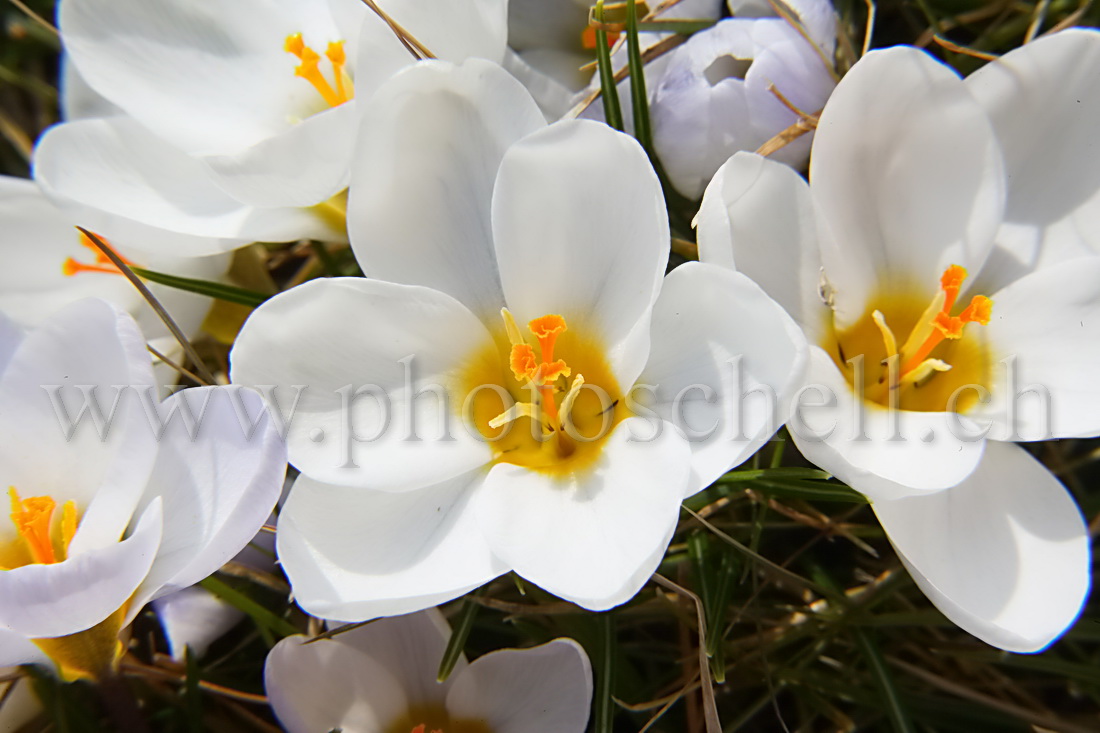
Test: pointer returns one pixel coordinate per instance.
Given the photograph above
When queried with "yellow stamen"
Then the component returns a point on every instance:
(887, 334)
(924, 370)
(515, 337)
(310, 69)
(68, 524)
(516, 411)
(572, 395)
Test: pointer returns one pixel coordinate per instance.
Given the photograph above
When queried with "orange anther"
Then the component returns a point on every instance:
(980, 310)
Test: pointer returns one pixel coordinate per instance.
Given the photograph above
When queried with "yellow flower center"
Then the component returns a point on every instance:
(434, 719)
(102, 263)
(39, 539)
(941, 365)
(546, 405)
(341, 88)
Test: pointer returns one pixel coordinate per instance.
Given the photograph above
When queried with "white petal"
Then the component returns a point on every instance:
(302, 166)
(581, 230)
(194, 618)
(410, 647)
(1005, 554)
(16, 649)
(590, 537)
(62, 598)
(907, 172)
(353, 554)
(724, 355)
(550, 77)
(429, 150)
(11, 335)
(757, 217)
(402, 358)
(455, 31)
(217, 487)
(90, 344)
(1041, 98)
(326, 685)
(1047, 325)
(546, 689)
(78, 100)
(212, 78)
(880, 453)
(143, 185)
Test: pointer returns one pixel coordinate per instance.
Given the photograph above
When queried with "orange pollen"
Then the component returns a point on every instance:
(422, 727)
(102, 262)
(946, 326)
(309, 69)
(32, 518)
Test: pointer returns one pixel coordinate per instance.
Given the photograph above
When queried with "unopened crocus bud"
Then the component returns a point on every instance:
(720, 92)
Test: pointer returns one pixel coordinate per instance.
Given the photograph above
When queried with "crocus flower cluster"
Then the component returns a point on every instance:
(525, 380)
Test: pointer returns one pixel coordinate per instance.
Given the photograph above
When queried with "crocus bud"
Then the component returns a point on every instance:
(716, 96)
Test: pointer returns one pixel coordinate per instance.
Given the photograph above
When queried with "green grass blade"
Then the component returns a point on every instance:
(228, 293)
(612, 111)
(638, 100)
(457, 643)
(263, 618)
(884, 681)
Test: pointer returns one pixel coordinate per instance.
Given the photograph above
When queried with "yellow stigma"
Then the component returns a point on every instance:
(32, 518)
(102, 263)
(309, 68)
(934, 345)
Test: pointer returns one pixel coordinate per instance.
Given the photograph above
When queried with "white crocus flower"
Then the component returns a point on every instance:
(520, 277)
(232, 130)
(51, 264)
(255, 89)
(715, 95)
(919, 349)
(261, 92)
(98, 526)
(382, 677)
